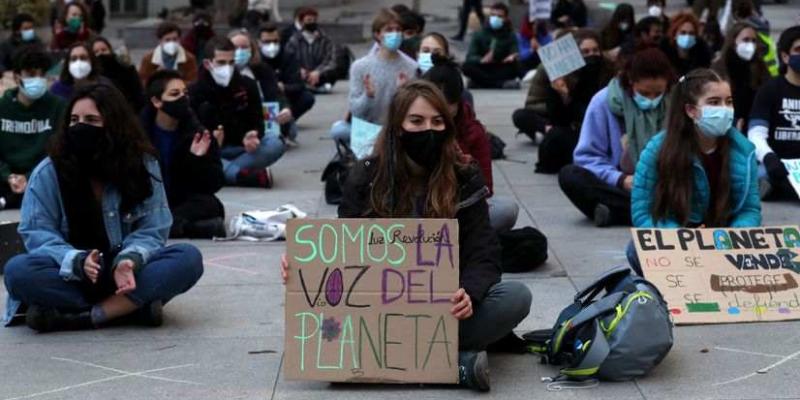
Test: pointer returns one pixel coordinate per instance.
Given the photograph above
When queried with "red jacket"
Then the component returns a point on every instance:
(474, 141)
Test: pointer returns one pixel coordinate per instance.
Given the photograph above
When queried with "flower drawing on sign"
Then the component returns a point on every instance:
(331, 329)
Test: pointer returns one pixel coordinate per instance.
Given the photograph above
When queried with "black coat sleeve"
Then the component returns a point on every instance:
(255, 112)
(203, 175)
(290, 74)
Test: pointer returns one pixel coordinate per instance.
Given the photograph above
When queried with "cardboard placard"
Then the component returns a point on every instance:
(271, 110)
(368, 300)
(363, 135)
(561, 57)
(724, 275)
(793, 166)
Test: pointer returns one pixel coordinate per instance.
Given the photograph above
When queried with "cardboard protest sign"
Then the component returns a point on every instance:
(363, 135)
(561, 57)
(724, 275)
(793, 166)
(271, 110)
(369, 300)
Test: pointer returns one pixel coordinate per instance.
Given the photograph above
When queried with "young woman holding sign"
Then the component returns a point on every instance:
(701, 171)
(418, 171)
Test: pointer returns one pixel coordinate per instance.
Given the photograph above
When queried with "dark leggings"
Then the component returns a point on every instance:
(556, 149)
(586, 191)
(466, 7)
(491, 75)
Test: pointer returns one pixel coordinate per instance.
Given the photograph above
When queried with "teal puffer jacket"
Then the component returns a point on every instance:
(744, 198)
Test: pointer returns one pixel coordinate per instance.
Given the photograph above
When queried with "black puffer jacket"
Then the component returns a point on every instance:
(479, 249)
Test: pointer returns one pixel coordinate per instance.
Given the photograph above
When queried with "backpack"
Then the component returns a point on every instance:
(497, 146)
(335, 173)
(522, 249)
(618, 337)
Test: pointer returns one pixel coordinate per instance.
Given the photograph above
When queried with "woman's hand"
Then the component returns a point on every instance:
(251, 142)
(91, 266)
(462, 305)
(123, 277)
(200, 144)
(284, 268)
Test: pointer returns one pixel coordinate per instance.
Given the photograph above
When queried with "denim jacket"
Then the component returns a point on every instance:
(43, 224)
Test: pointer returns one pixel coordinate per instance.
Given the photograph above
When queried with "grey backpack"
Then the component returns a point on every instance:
(620, 336)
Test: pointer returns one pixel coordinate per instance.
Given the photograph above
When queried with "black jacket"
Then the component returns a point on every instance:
(236, 107)
(479, 249)
(188, 174)
(288, 69)
(699, 56)
(125, 78)
(267, 81)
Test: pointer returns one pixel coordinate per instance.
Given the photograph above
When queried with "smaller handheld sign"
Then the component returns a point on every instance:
(271, 110)
(363, 135)
(793, 166)
(724, 275)
(369, 300)
(561, 57)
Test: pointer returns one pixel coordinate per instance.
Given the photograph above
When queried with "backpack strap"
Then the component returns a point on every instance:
(593, 358)
(609, 279)
(595, 309)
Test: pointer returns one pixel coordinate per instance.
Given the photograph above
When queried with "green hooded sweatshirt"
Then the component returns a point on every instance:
(24, 131)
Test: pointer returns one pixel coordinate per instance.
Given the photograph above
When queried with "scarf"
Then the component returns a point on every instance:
(640, 125)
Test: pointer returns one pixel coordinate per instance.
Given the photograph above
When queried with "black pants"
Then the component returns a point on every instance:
(300, 102)
(586, 191)
(466, 7)
(528, 122)
(782, 189)
(490, 75)
(196, 207)
(556, 149)
(13, 200)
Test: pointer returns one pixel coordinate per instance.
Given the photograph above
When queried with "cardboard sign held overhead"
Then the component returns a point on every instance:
(561, 57)
(369, 300)
(724, 275)
(793, 166)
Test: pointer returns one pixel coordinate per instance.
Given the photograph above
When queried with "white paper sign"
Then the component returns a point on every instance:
(362, 137)
(561, 57)
(793, 166)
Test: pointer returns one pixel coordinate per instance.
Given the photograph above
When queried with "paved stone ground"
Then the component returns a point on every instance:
(224, 338)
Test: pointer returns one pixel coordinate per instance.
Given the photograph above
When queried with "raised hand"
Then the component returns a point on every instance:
(369, 87)
(200, 143)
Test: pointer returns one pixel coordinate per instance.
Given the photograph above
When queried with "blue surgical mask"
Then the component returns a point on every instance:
(794, 62)
(496, 22)
(644, 103)
(27, 35)
(715, 121)
(392, 40)
(686, 42)
(242, 56)
(425, 62)
(34, 88)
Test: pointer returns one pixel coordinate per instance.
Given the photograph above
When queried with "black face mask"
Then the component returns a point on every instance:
(178, 108)
(84, 142)
(593, 60)
(108, 63)
(424, 147)
(311, 27)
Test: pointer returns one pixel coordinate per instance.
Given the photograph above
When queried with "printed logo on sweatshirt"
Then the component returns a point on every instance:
(790, 110)
(28, 127)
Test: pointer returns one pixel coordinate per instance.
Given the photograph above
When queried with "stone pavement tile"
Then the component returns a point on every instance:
(513, 377)
(779, 212)
(548, 297)
(218, 368)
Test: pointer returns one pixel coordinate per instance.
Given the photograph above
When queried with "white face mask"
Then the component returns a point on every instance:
(270, 50)
(171, 48)
(80, 69)
(746, 50)
(222, 74)
(654, 11)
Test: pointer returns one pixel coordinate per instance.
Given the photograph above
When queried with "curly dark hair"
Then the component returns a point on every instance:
(121, 155)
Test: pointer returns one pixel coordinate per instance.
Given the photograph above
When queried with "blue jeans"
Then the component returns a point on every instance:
(300, 102)
(234, 158)
(504, 307)
(34, 279)
(503, 213)
(340, 130)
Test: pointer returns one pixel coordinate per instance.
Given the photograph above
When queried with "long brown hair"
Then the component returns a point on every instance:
(758, 68)
(675, 171)
(392, 194)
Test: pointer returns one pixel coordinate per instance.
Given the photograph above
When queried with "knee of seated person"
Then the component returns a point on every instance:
(17, 271)
(566, 176)
(191, 260)
(519, 297)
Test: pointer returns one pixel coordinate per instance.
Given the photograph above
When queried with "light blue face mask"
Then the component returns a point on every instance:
(715, 121)
(425, 62)
(495, 22)
(34, 88)
(392, 40)
(645, 103)
(686, 42)
(241, 57)
(27, 35)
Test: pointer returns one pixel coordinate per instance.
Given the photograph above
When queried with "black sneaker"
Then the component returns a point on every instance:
(150, 314)
(473, 370)
(43, 320)
(602, 216)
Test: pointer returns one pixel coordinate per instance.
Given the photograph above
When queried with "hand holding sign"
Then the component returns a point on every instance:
(793, 170)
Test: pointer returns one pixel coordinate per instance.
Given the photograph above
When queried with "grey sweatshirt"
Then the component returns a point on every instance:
(383, 75)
